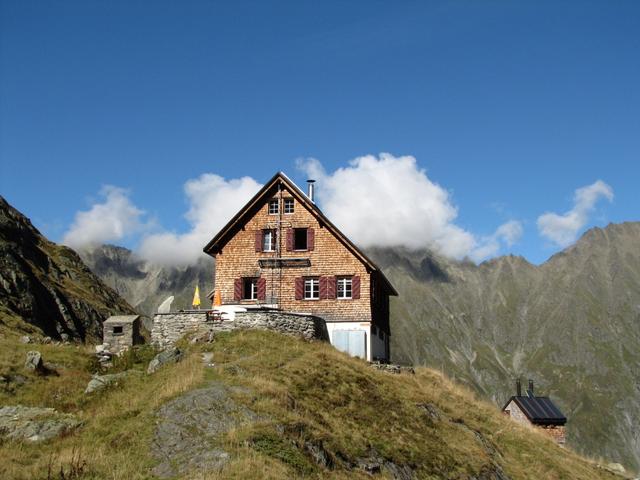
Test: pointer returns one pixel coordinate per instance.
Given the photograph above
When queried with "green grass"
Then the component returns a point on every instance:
(304, 393)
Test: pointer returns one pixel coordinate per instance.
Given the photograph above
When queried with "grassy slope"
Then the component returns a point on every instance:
(304, 392)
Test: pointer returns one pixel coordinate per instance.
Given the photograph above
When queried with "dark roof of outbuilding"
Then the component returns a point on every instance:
(539, 410)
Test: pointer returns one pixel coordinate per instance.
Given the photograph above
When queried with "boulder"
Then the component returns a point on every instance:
(34, 424)
(171, 355)
(25, 339)
(34, 361)
(100, 382)
(616, 468)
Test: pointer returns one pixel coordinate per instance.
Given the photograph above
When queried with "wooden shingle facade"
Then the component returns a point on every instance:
(280, 251)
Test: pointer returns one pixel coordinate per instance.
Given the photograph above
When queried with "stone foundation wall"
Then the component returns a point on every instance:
(169, 327)
(556, 432)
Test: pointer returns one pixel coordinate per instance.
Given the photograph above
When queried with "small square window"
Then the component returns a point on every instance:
(311, 289)
(344, 287)
(274, 207)
(117, 330)
(288, 205)
(250, 288)
(300, 239)
(268, 240)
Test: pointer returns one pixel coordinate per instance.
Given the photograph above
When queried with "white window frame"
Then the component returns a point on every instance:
(269, 240)
(253, 288)
(311, 289)
(288, 202)
(274, 206)
(344, 286)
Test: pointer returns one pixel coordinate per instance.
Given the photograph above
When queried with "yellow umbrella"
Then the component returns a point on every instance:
(217, 299)
(196, 298)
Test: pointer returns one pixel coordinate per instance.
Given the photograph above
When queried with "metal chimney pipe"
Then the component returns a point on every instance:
(311, 185)
(518, 388)
(530, 387)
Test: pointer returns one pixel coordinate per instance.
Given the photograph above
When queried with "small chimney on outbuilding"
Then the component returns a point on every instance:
(311, 185)
(518, 388)
(530, 390)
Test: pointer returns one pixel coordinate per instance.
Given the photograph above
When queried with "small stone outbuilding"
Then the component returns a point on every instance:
(121, 332)
(539, 412)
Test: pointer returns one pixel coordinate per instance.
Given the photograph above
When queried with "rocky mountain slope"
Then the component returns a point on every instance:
(47, 285)
(256, 404)
(146, 285)
(572, 324)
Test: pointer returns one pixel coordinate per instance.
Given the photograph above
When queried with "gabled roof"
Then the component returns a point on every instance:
(224, 235)
(539, 410)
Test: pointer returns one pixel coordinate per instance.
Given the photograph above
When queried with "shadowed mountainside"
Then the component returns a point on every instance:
(47, 285)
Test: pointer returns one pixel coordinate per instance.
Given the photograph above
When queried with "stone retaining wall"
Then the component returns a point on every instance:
(169, 327)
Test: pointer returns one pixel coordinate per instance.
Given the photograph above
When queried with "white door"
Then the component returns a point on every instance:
(353, 342)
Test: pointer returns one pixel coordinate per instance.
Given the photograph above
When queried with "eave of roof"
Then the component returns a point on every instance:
(220, 237)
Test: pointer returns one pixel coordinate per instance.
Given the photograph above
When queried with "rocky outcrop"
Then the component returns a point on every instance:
(34, 424)
(102, 382)
(170, 355)
(34, 361)
(48, 285)
(187, 437)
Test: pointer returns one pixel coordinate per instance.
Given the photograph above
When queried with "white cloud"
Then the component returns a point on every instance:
(563, 229)
(508, 233)
(109, 221)
(213, 201)
(389, 201)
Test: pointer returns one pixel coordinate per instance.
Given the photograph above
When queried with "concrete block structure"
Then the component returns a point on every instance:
(121, 332)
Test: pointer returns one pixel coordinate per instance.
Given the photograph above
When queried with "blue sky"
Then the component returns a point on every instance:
(508, 107)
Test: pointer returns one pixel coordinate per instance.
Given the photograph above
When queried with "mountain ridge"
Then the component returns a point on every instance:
(47, 286)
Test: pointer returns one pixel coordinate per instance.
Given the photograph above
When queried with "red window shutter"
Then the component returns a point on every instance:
(258, 241)
(355, 287)
(289, 239)
(299, 288)
(323, 287)
(331, 287)
(311, 238)
(262, 289)
(237, 289)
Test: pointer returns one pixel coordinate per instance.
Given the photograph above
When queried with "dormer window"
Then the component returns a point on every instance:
(274, 206)
(288, 205)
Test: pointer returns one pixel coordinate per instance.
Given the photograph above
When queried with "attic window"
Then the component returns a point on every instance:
(273, 207)
(299, 238)
(288, 205)
(117, 330)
